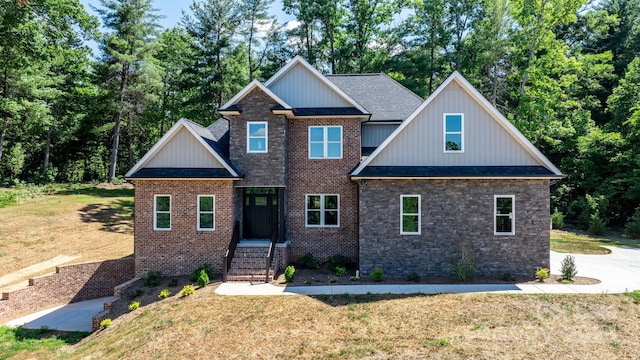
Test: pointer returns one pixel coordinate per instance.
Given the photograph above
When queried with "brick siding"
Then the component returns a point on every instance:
(70, 283)
(182, 249)
(453, 211)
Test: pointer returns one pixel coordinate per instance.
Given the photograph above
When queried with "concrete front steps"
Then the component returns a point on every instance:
(248, 265)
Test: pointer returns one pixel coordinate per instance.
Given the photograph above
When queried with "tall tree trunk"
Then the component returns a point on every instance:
(130, 142)
(2, 135)
(116, 129)
(47, 150)
(249, 47)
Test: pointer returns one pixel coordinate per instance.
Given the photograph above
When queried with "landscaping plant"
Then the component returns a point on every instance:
(203, 279)
(187, 290)
(542, 274)
(308, 261)
(165, 293)
(105, 324)
(568, 268)
(134, 305)
(289, 273)
(341, 271)
(153, 278)
(377, 274)
(206, 267)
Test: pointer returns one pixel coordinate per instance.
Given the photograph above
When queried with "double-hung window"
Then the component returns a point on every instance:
(325, 142)
(162, 212)
(206, 212)
(257, 132)
(453, 133)
(504, 215)
(410, 214)
(322, 210)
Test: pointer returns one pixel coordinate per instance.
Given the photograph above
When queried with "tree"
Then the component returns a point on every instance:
(256, 15)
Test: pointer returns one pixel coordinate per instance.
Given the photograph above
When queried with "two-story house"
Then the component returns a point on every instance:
(355, 165)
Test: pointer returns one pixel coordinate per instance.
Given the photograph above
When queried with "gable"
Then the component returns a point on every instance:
(182, 151)
(489, 139)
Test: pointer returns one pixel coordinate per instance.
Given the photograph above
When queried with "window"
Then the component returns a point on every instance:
(504, 206)
(206, 212)
(323, 210)
(410, 214)
(325, 142)
(257, 137)
(162, 212)
(453, 132)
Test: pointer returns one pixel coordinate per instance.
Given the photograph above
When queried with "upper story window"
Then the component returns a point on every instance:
(410, 214)
(504, 214)
(453, 132)
(257, 136)
(325, 142)
(162, 212)
(206, 212)
(322, 210)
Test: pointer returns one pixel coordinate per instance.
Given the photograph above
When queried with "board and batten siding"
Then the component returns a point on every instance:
(299, 87)
(486, 142)
(374, 134)
(183, 151)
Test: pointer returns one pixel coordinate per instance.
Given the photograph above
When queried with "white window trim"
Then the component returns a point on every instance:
(325, 141)
(266, 137)
(444, 133)
(213, 212)
(156, 211)
(322, 211)
(513, 214)
(419, 232)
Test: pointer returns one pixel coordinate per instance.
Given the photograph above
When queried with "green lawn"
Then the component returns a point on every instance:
(576, 243)
(40, 342)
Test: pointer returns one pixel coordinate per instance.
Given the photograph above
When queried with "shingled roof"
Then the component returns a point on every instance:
(382, 96)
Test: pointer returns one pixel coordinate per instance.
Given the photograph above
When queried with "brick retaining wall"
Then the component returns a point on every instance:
(70, 283)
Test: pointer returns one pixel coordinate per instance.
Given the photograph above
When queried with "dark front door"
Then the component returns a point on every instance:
(260, 212)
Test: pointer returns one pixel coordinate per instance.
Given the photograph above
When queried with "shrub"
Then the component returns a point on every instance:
(134, 305)
(165, 293)
(173, 282)
(635, 295)
(354, 278)
(338, 260)
(584, 208)
(332, 279)
(203, 279)
(508, 276)
(632, 228)
(308, 261)
(413, 277)
(187, 290)
(542, 274)
(289, 273)
(105, 324)
(568, 268)
(206, 267)
(464, 266)
(135, 293)
(557, 219)
(377, 274)
(153, 278)
(341, 271)
(596, 225)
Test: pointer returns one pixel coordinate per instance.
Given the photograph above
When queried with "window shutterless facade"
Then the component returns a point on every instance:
(504, 215)
(325, 142)
(257, 136)
(322, 210)
(453, 125)
(206, 212)
(410, 215)
(162, 212)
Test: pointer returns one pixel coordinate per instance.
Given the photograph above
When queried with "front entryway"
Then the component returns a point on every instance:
(260, 218)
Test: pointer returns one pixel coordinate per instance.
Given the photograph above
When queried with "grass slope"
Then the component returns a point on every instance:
(578, 243)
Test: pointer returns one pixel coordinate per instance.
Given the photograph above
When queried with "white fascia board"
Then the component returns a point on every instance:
(184, 179)
(253, 84)
(299, 60)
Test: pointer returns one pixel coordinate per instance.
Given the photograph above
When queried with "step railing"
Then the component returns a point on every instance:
(272, 249)
(231, 251)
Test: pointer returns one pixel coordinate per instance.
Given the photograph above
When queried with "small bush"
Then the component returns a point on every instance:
(308, 281)
(354, 278)
(203, 279)
(542, 274)
(341, 271)
(187, 290)
(206, 267)
(377, 274)
(338, 260)
(135, 293)
(557, 219)
(464, 266)
(134, 305)
(568, 268)
(632, 228)
(173, 282)
(153, 278)
(413, 277)
(508, 276)
(635, 295)
(165, 293)
(332, 279)
(596, 225)
(289, 273)
(308, 261)
(105, 324)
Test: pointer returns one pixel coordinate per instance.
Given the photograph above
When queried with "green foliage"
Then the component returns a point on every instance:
(596, 225)
(187, 290)
(338, 260)
(542, 274)
(203, 279)
(464, 266)
(632, 228)
(332, 279)
(308, 261)
(134, 305)
(635, 295)
(377, 274)
(153, 278)
(289, 273)
(341, 271)
(568, 268)
(557, 219)
(584, 208)
(173, 282)
(105, 324)
(508, 276)
(16, 340)
(135, 293)
(206, 267)
(164, 293)
(413, 277)
(8, 198)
